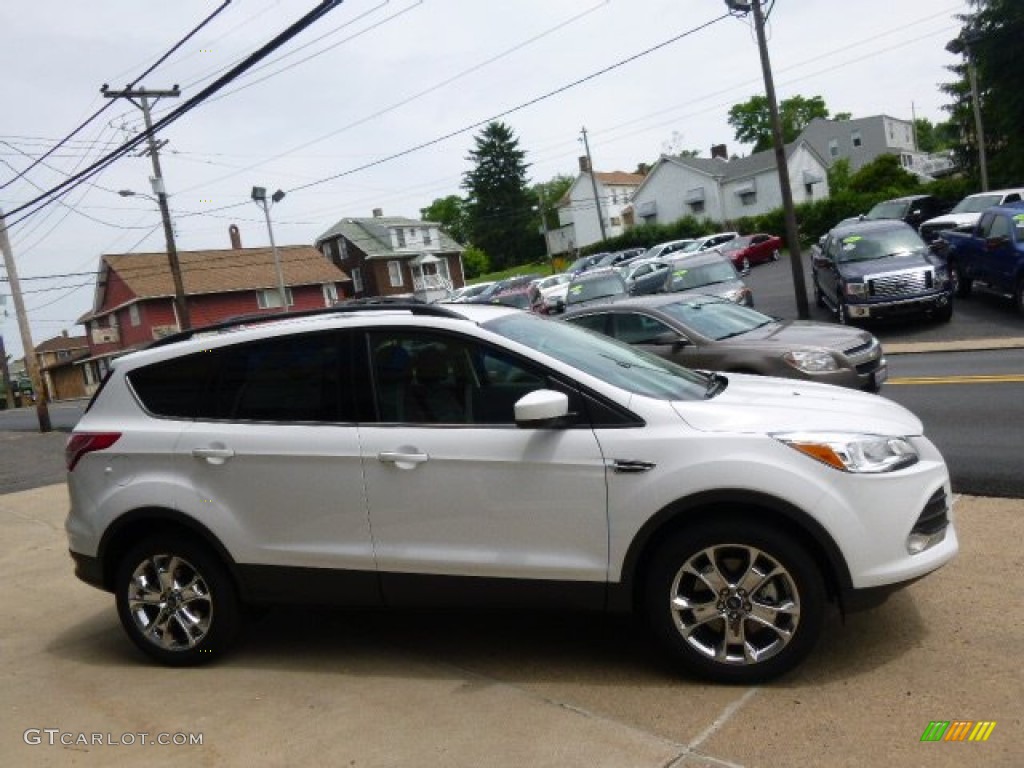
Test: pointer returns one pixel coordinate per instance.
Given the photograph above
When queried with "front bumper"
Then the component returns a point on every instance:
(880, 310)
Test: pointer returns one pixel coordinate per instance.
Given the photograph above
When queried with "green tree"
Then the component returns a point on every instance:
(841, 116)
(499, 205)
(934, 137)
(882, 174)
(751, 120)
(839, 176)
(992, 33)
(450, 213)
(548, 193)
(475, 262)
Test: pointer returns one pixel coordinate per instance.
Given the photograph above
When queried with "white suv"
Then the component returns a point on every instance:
(401, 455)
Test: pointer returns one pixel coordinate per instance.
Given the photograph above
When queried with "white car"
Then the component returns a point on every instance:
(968, 211)
(430, 454)
(553, 291)
(710, 241)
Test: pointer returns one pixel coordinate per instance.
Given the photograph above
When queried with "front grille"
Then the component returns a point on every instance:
(860, 349)
(899, 284)
(933, 518)
(869, 367)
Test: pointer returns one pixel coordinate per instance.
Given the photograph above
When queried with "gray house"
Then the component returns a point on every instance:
(723, 190)
(865, 139)
(394, 256)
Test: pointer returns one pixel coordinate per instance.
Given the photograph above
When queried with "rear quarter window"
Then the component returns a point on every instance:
(174, 388)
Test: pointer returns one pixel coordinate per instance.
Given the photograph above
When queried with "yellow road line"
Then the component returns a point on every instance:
(1002, 378)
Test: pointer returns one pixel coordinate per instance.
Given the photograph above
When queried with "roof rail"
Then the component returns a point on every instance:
(370, 304)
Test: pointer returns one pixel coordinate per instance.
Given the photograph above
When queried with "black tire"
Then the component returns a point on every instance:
(962, 285)
(945, 314)
(1018, 297)
(784, 589)
(176, 601)
(776, 255)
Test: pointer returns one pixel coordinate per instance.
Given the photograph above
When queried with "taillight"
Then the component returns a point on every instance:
(81, 443)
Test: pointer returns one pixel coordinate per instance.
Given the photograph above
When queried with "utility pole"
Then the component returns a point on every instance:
(259, 196)
(31, 363)
(792, 234)
(593, 185)
(544, 227)
(5, 372)
(180, 301)
(962, 44)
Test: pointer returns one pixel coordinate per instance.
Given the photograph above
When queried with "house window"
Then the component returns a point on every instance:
(833, 148)
(344, 248)
(90, 374)
(616, 221)
(133, 315)
(357, 280)
(855, 138)
(395, 273)
(442, 269)
(748, 198)
(269, 298)
(809, 190)
(329, 250)
(697, 206)
(427, 240)
(401, 237)
(330, 294)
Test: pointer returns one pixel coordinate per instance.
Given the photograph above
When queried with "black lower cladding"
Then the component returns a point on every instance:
(269, 584)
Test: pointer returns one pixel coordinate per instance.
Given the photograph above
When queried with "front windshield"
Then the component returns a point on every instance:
(621, 365)
(598, 288)
(737, 243)
(691, 247)
(888, 210)
(976, 204)
(878, 245)
(686, 278)
(716, 319)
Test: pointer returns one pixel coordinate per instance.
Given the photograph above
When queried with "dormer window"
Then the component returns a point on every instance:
(400, 233)
(426, 236)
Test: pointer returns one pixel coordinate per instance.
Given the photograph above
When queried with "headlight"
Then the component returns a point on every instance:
(811, 360)
(739, 296)
(860, 290)
(846, 452)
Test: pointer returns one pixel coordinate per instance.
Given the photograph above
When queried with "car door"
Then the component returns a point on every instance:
(456, 489)
(275, 458)
(826, 270)
(998, 253)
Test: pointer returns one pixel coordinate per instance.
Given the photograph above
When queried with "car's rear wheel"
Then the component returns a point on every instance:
(735, 600)
(176, 601)
(776, 255)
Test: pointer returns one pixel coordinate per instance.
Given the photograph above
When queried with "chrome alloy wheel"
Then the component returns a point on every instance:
(170, 602)
(734, 604)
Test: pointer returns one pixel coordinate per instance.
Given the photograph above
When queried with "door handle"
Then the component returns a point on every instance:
(213, 455)
(402, 460)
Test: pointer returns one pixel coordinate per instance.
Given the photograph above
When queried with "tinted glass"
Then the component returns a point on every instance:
(288, 379)
(635, 328)
(175, 387)
(716, 319)
(878, 244)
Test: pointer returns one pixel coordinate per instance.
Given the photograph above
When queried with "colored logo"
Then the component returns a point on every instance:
(958, 730)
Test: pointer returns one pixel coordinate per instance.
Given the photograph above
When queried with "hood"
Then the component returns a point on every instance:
(953, 220)
(915, 259)
(758, 404)
(802, 333)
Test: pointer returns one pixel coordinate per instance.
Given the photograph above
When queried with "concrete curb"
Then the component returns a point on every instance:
(962, 345)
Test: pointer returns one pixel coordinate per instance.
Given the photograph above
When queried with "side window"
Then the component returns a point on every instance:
(985, 225)
(438, 379)
(1000, 227)
(288, 379)
(597, 323)
(175, 387)
(636, 329)
(1013, 197)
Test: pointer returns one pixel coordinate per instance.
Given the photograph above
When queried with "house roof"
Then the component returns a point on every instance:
(148, 275)
(373, 237)
(620, 178)
(63, 343)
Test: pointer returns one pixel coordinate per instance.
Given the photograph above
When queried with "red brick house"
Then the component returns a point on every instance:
(134, 302)
(62, 378)
(394, 256)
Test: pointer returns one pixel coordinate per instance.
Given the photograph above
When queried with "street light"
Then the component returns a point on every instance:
(180, 304)
(259, 196)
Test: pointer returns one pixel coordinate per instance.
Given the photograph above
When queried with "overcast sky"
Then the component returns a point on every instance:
(376, 78)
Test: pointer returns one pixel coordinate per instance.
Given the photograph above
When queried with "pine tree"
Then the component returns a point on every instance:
(499, 205)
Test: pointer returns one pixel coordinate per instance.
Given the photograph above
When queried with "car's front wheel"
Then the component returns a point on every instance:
(176, 601)
(734, 600)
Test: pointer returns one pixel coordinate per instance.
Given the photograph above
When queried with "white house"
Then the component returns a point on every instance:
(723, 190)
(578, 215)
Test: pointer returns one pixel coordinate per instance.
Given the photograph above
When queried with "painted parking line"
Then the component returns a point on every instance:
(1003, 378)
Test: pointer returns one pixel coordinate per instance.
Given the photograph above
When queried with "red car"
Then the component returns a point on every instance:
(746, 250)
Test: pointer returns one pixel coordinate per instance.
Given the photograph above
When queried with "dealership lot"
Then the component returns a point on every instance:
(425, 688)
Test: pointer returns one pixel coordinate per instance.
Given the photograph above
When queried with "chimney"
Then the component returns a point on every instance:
(236, 237)
(378, 213)
(719, 152)
(584, 164)
(643, 169)
(64, 334)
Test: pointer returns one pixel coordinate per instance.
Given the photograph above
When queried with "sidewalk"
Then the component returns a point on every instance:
(370, 689)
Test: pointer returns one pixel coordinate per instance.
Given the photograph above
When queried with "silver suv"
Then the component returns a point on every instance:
(401, 455)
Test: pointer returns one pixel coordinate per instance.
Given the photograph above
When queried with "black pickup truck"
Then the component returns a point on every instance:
(991, 252)
(871, 270)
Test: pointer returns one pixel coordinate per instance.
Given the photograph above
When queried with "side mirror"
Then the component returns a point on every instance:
(669, 339)
(541, 408)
